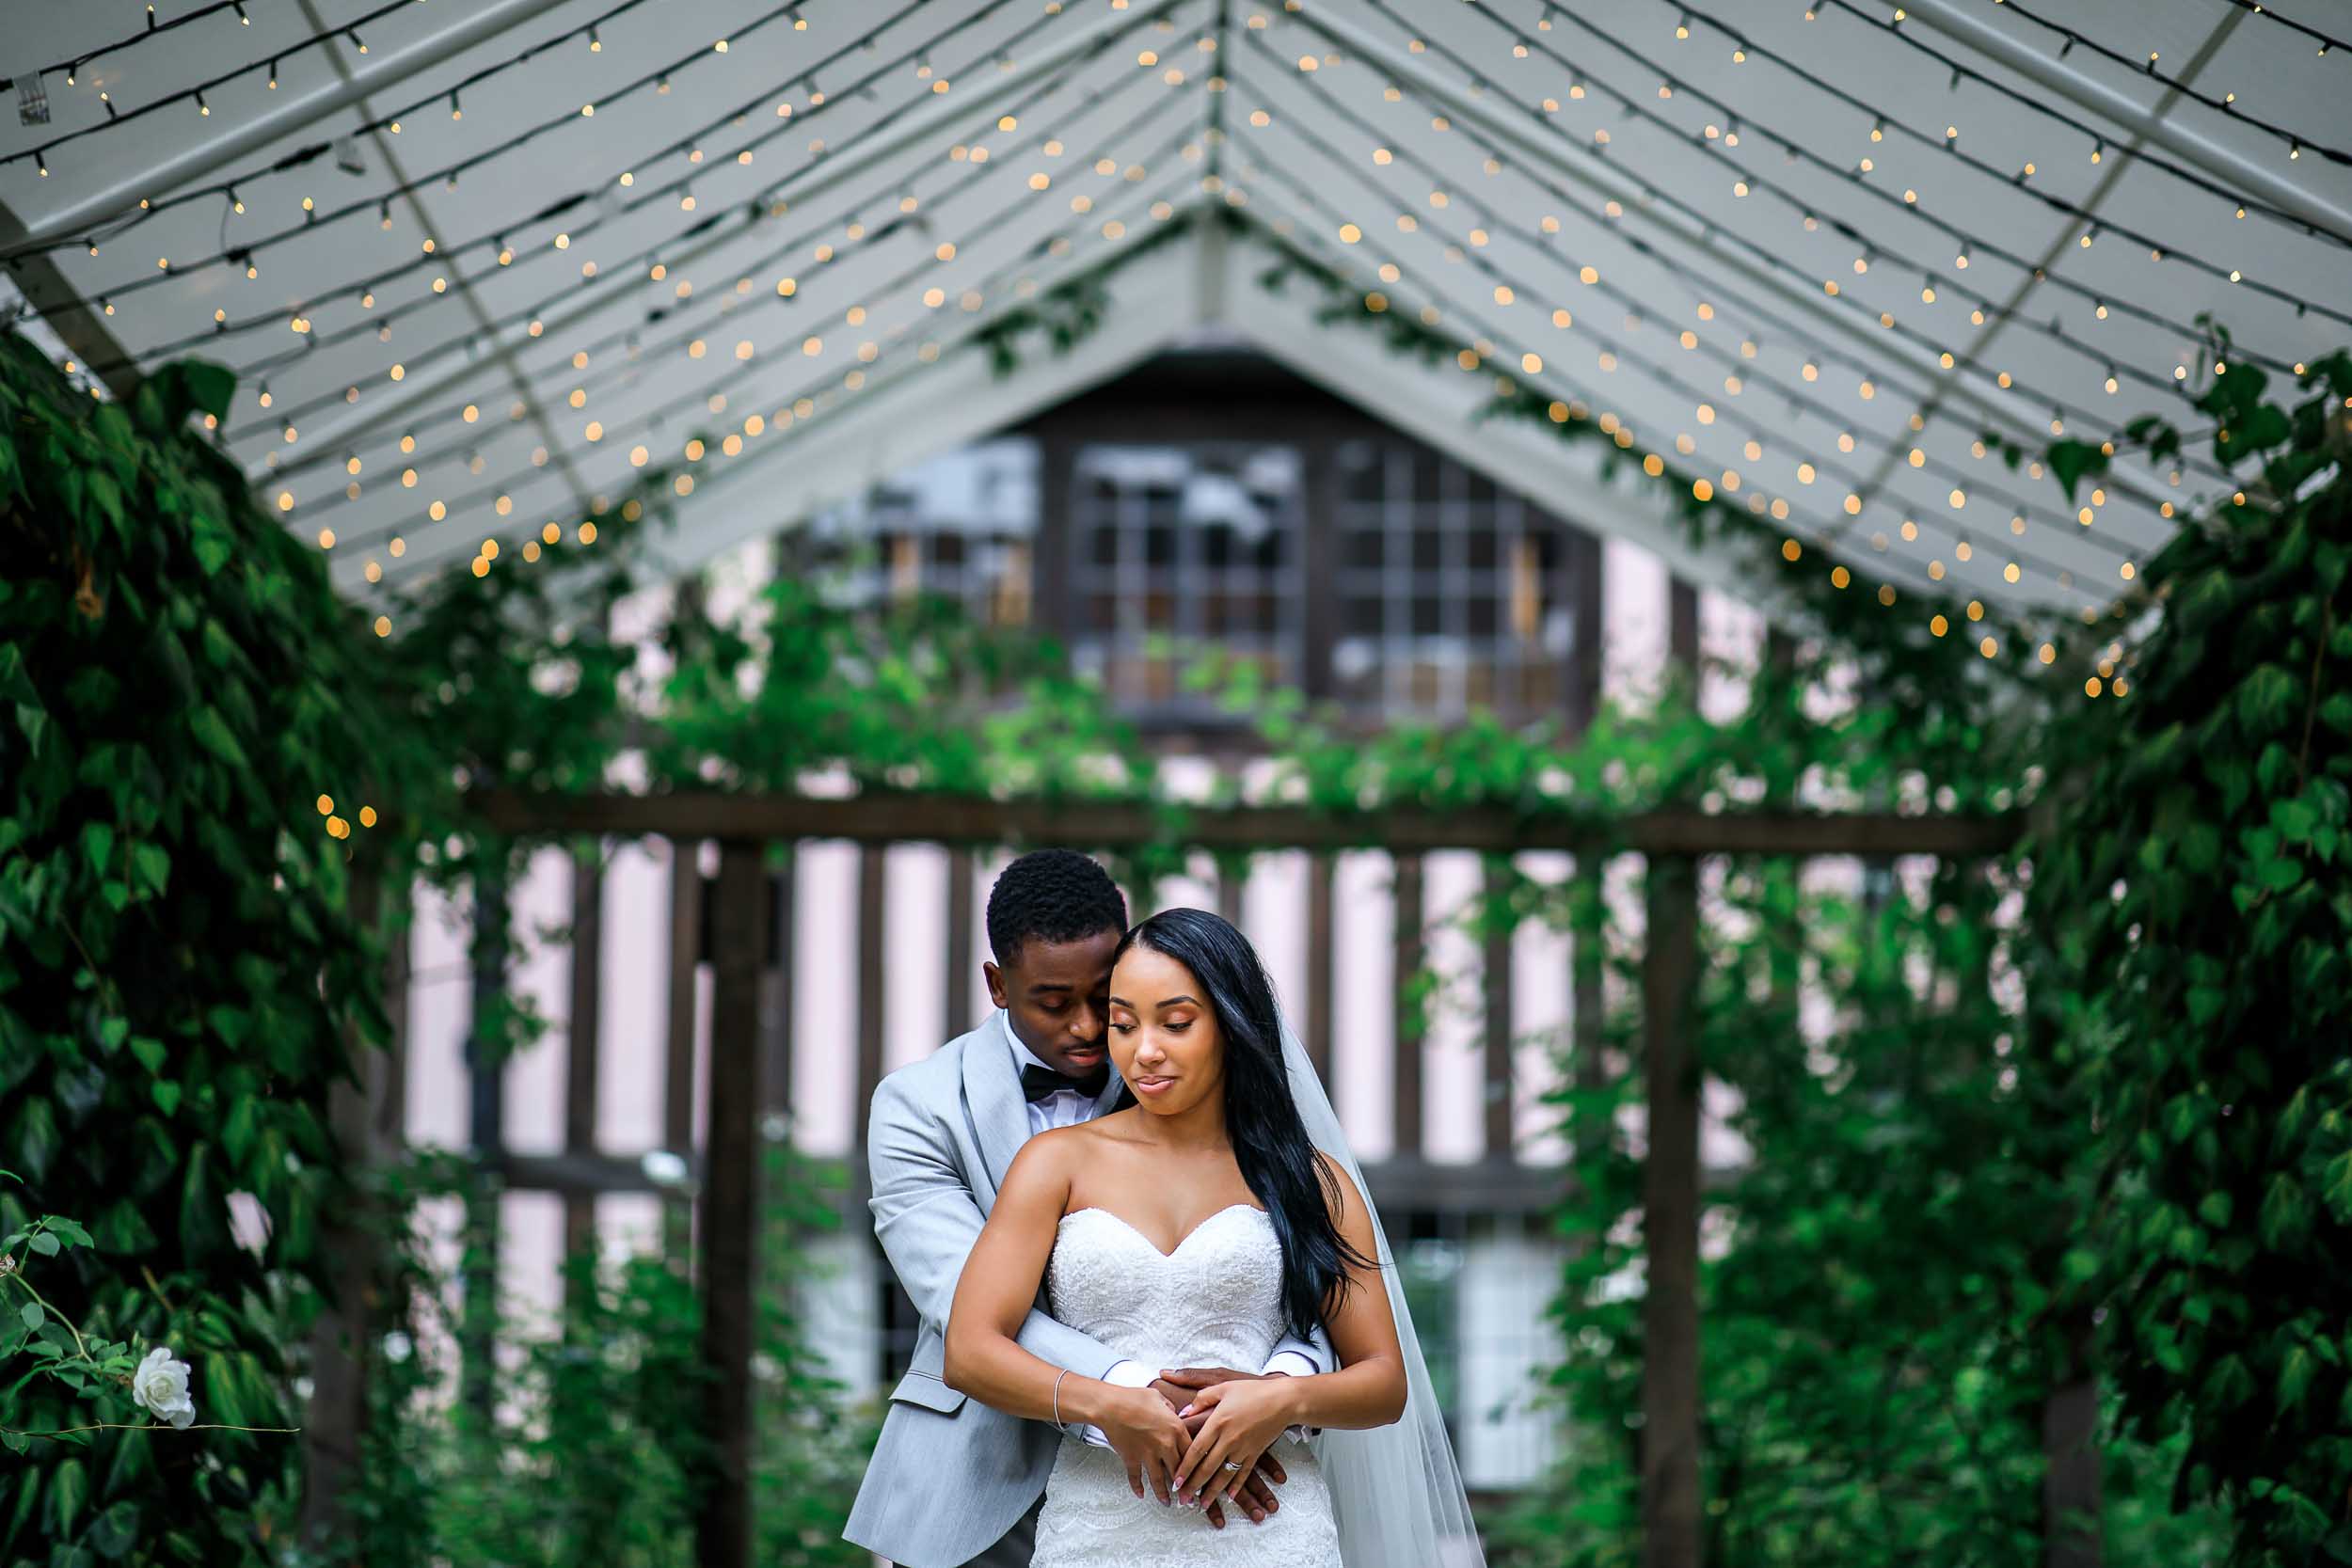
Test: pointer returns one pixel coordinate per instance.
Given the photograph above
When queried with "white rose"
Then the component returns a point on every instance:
(161, 1384)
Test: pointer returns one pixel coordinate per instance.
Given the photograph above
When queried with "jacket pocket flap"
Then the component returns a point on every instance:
(928, 1391)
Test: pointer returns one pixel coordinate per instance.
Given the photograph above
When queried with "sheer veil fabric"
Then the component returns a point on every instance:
(1396, 1490)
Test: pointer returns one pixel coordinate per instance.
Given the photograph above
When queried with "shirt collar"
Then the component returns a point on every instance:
(1021, 1055)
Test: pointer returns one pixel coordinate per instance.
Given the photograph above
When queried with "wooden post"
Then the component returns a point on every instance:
(1319, 556)
(363, 1120)
(1583, 565)
(581, 1057)
(1498, 1010)
(961, 960)
(486, 1069)
(1056, 484)
(1320, 958)
(2070, 1450)
(872, 862)
(730, 1210)
(1671, 1511)
(1409, 1030)
(775, 1004)
(677, 1073)
(1233, 874)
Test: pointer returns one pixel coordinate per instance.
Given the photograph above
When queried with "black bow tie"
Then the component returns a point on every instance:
(1039, 1082)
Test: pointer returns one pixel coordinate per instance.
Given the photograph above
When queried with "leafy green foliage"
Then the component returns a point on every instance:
(595, 1440)
(2195, 921)
(179, 968)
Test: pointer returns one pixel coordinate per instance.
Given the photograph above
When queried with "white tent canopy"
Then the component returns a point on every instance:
(474, 264)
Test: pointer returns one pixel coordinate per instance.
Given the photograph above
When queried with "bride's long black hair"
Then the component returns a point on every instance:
(1270, 1143)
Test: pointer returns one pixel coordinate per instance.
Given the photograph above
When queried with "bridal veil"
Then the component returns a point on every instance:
(1396, 1490)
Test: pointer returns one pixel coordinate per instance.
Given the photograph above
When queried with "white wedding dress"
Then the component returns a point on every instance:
(1216, 1301)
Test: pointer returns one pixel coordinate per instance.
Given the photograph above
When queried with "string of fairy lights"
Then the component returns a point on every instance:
(153, 30)
(796, 408)
(1742, 367)
(628, 355)
(746, 215)
(1712, 286)
(1670, 85)
(2259, 8)
(1614, 352)
(649, 260)
(226, 189)
(1655, 195)
(495, 242)
(2018, 178)
(1872, 251)
(193, 96)
(829, 255)
(1887, 27)
(687, 338)
(2297, 142)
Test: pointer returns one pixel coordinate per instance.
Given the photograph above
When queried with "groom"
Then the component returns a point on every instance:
(953, 1482)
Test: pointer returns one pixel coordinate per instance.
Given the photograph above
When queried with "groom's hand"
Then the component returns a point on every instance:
(1177, 1386)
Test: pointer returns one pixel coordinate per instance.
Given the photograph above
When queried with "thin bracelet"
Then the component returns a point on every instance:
(1065, 1373)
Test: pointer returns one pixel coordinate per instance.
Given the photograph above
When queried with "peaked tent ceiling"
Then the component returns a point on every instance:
(474, 264)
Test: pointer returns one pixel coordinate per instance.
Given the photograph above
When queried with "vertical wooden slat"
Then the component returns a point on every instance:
(2071, 1497)
(775, 979)
(730, 1205)
(1231, 876)
(872, 862)
(389, 1124)
(677, 1070)
(1407, 1105)
(1671, 1516)
(1319, 962)
(1682, 628)
(334, 1419)
(581, 1047)
(1585, 613)
(485, 1070)
(1319, 553)
(1057, 481)
(961, 960)
(1499, 1011)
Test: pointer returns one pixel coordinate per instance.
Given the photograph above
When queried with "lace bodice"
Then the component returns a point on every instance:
(1217, 1300)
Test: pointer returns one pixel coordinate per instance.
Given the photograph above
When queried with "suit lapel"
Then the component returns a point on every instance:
(1000, 1118)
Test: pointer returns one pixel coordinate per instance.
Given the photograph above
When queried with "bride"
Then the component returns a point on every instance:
(1217, 1215)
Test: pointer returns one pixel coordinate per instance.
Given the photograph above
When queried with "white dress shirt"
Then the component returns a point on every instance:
(1066, 1108)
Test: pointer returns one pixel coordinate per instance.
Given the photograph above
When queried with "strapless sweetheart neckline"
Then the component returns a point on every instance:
(1133, 1230)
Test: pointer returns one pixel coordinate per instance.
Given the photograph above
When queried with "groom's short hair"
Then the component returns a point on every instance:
(1054, 895)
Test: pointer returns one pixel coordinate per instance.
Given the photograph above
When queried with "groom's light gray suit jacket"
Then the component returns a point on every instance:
(950, 1476)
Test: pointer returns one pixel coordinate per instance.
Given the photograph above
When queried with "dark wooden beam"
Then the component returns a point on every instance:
(1585, 617)
(677, 1069)
(1320, 954)
(349, 1326)
(1319, 560)
(580, 1035)
(872, 865)
(485, 1071)
(2070, 1496)
(963, 960)
(1498, 1011)
(1671, 1516)
(1050, 607)
(730, 1207)
(775, 1002)
(891, 818)
(1408, 1101)
(1233, 874)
